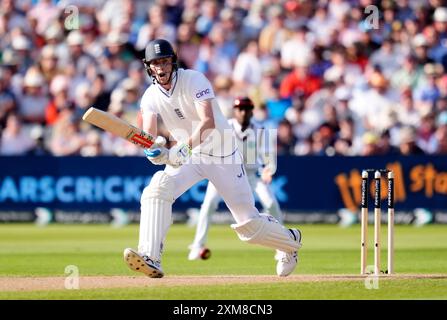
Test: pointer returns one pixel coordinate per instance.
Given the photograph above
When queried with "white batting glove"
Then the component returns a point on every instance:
(179, 154)
(157, 153)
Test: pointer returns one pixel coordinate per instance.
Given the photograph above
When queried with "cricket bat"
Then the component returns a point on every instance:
(111, 123)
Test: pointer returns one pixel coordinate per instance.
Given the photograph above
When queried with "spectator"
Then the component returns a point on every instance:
(111, 144)
(385, 146)
(49, 63)
(407, 114)
(223, 89)
(117, 50)
(14, 139)
(387, 58)
(37, 133)
(272, 76)
(33, 100)
(253, 23)
(440, 147)
(375, 105)
(294, 115)
(100, 96)
(297, 47)
(247, 71)
(60, 100)
(208, 17)
(42, 15)
(342, 147)
(440, 22)
(78, 56)
(428, 91)
(299, 80)
(314, 105)
(54, 37)
(22, 50)
(330, 118)
(420, 45)
(425, 133)
(7, 98)
(132, 99)
(407, 142)
(341, 69)
(83, 99)
(156, 27)
(437, 48)
(92, 147)
(187, 44)
(217, 54)
(12, 17)
(342, 98)
(346, 131)
(274, 34)
(320, 63)
(286, 139)
(370, 144)
(230, 26)
(322, 25)
(66, 139)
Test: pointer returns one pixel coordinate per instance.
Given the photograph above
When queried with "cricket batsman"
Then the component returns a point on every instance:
(205, 149)
(257, 149)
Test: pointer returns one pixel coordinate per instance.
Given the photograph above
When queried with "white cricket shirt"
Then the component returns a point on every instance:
(177, 110)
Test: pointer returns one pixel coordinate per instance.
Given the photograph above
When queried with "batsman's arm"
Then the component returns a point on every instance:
(205, 111)
(181, 152)
(157, 154)
(150, 122)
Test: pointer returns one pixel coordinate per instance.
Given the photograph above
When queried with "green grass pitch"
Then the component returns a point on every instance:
(29, 251)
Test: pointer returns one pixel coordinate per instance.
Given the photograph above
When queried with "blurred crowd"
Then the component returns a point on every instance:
(332, 78)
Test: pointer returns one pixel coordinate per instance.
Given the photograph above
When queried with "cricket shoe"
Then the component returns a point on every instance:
(287, 261)
(142, 263)
(199, 253)
(194, 253)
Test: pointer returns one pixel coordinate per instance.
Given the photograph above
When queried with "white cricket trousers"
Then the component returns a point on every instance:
(229, 178)
(230, 181)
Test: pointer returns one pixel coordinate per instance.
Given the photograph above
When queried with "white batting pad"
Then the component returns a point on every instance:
(156, 214)
(266, 232)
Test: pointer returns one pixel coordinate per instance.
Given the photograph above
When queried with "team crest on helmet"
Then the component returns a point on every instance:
(157, 48)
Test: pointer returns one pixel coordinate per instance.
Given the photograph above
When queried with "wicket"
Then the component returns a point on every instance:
(377, 220)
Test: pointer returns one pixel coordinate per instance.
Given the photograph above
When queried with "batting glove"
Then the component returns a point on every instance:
(157, 153)
(179, 154)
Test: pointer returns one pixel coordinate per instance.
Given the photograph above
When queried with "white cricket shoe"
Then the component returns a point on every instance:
(199, 253)
(287, 261)
(194, 253)
(142, 263)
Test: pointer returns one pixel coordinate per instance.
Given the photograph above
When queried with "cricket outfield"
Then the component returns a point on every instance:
(40, 262)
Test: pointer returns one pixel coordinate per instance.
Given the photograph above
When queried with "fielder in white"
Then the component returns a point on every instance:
(205, 149)
(260, 164)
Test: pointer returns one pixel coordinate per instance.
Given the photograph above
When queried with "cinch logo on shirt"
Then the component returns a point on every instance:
(179, 113)
(202, 93)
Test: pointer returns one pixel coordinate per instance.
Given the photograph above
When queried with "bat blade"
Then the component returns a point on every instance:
(111, 123)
